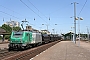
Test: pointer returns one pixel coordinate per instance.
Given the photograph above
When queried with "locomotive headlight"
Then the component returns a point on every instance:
(10, 41)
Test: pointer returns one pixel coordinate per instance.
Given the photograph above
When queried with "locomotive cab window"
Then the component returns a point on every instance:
(18, 34)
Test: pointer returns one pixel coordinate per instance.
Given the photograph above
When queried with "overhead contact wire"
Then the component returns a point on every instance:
(9, 14)
(82, 7)
(32, 10)
(37, 8)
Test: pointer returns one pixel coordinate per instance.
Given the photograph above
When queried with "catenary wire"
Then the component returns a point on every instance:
(8, 9)
(32, 10)
(9, 14)
(82, 7)
(36, 8)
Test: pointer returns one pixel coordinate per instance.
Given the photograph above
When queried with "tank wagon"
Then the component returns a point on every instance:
(45, 38)
(26, 39)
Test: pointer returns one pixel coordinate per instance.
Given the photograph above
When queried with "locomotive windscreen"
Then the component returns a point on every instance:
(18, 34)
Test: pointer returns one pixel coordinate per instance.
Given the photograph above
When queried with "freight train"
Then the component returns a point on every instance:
(26, 39)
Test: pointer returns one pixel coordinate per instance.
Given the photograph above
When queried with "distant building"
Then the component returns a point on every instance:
(28, 27)
(31, 29)
(12, 23)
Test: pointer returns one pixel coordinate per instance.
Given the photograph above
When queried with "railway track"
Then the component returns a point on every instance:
(5, 53)
(3, 50)
(28, 54)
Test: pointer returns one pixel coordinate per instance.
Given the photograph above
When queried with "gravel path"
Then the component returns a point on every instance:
(3, 46)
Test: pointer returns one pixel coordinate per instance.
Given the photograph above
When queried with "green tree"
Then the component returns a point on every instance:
(7, 28)
(16, 28)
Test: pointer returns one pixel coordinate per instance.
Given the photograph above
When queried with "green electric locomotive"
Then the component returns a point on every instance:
(24, 39)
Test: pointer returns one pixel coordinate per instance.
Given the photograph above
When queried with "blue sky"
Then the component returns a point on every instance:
(59, 12)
